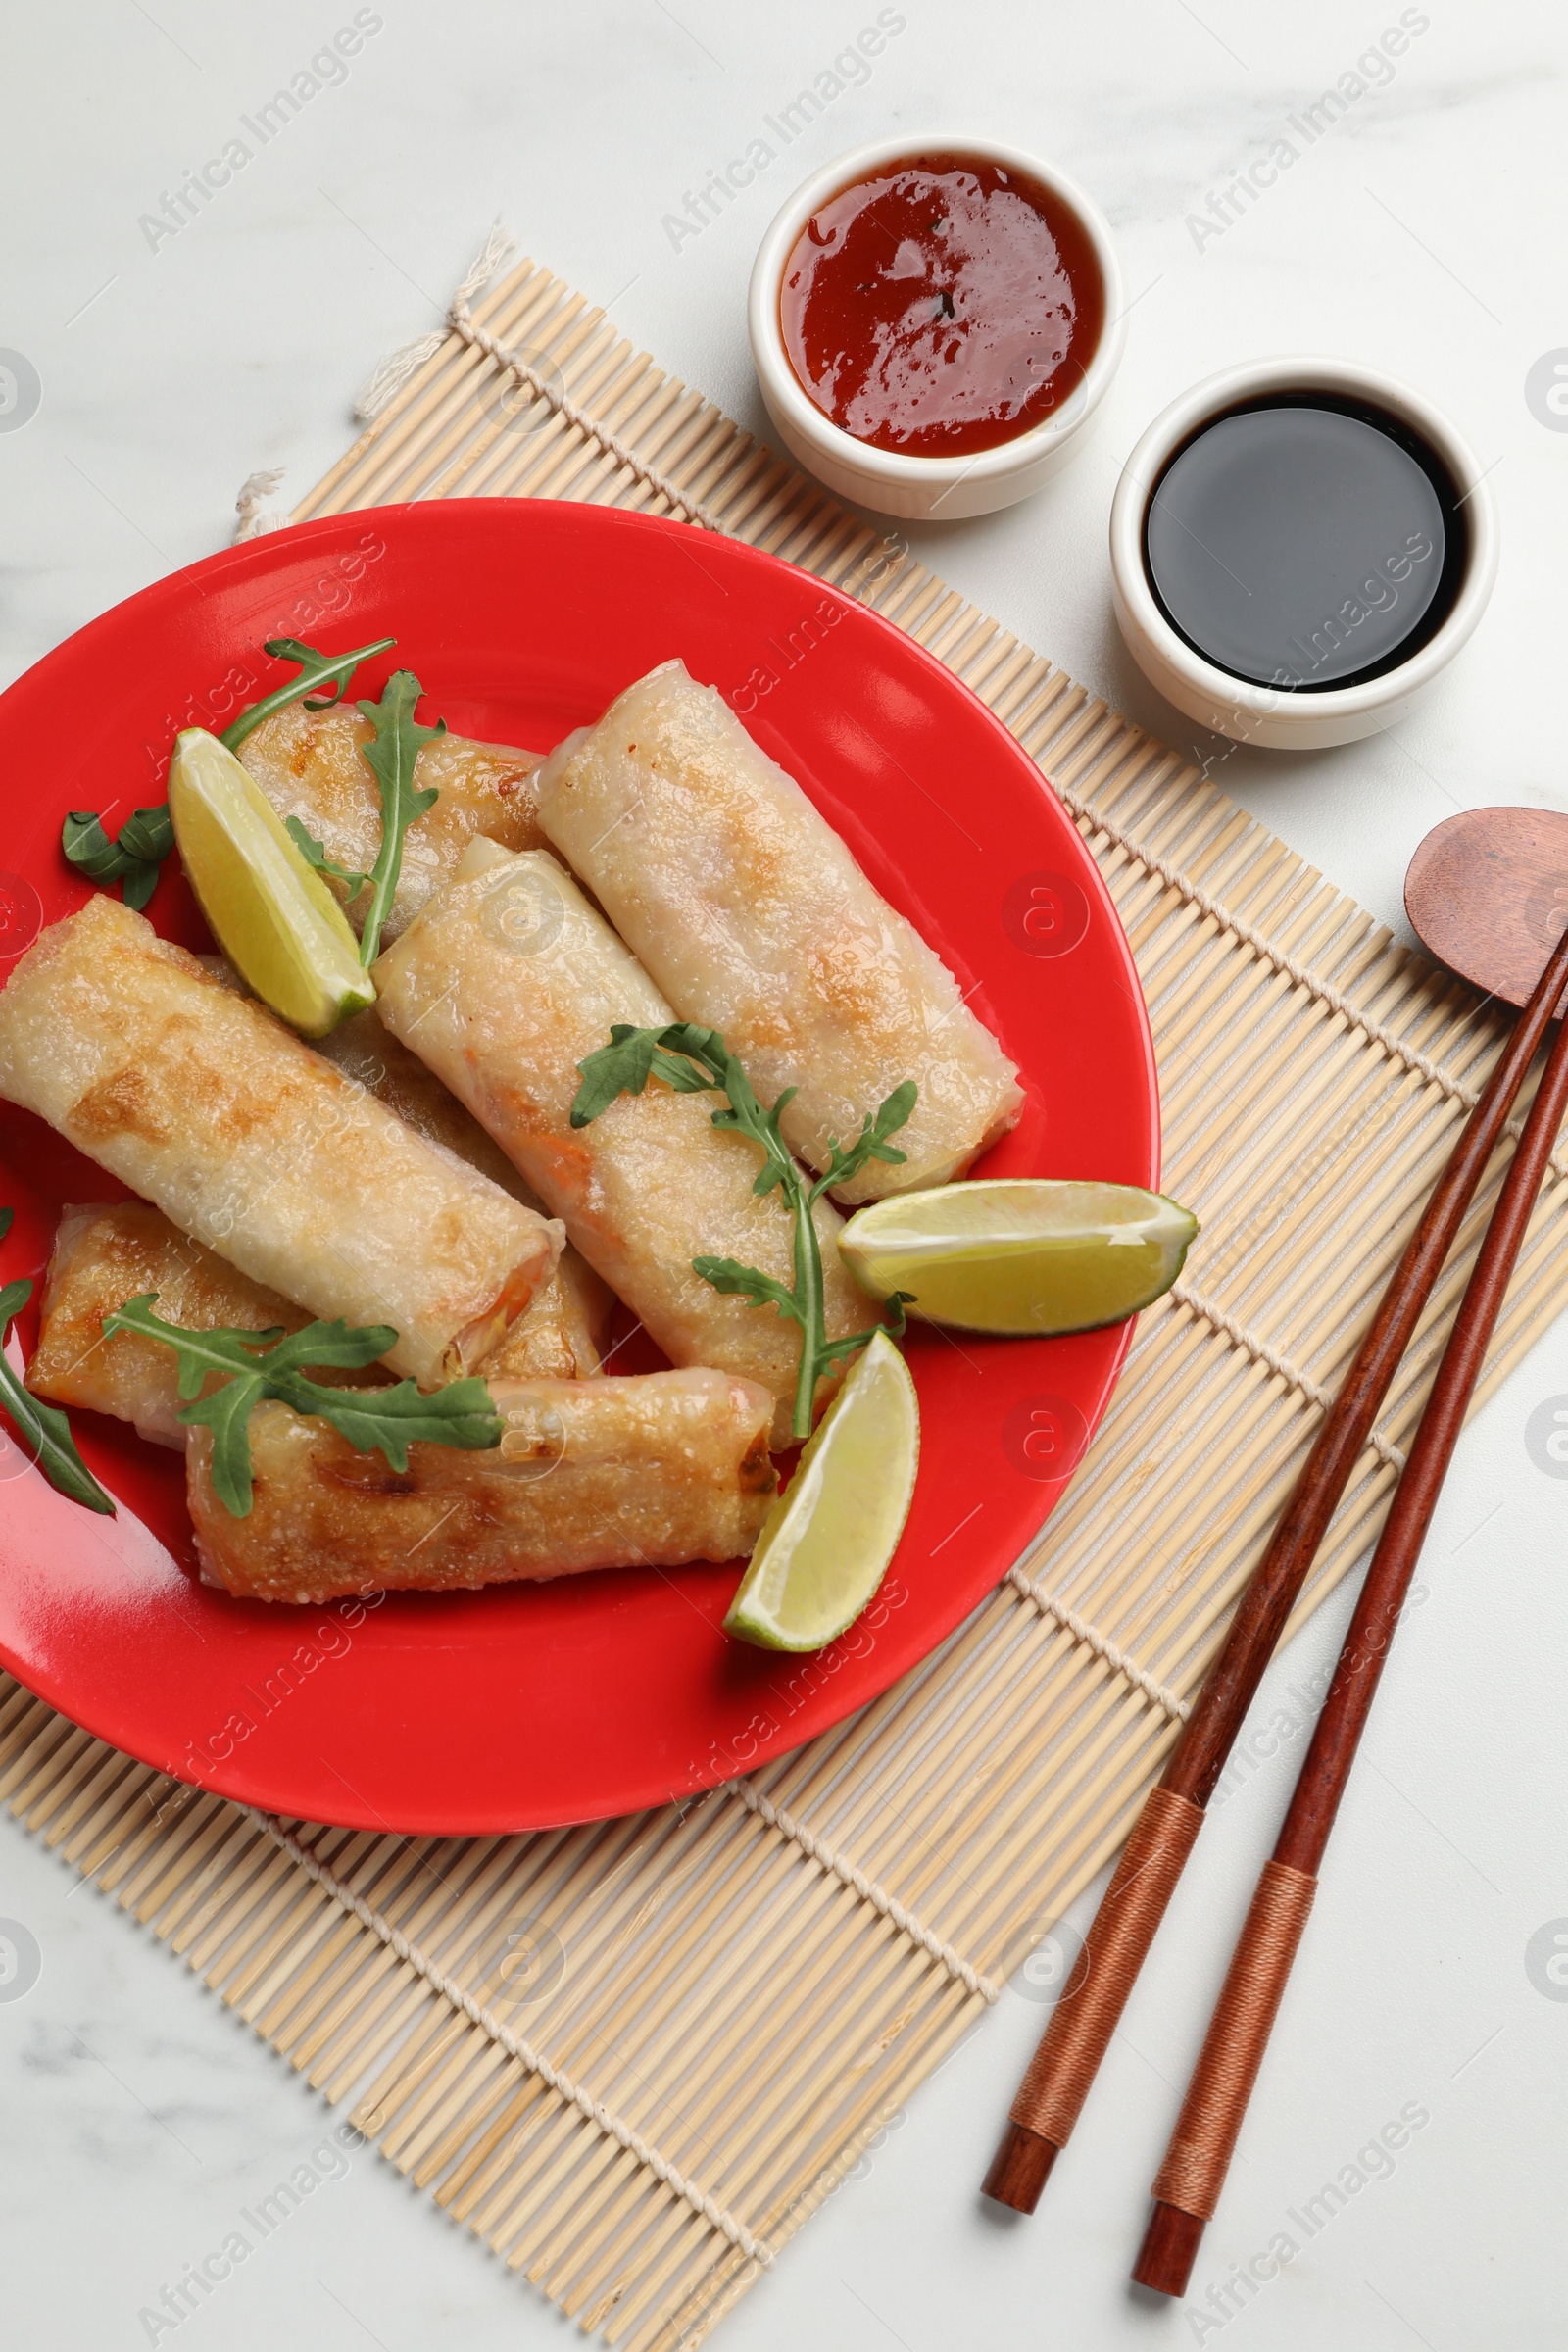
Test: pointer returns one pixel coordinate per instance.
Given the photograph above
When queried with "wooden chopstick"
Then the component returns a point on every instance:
(1188, 2185)
(1078, 2034)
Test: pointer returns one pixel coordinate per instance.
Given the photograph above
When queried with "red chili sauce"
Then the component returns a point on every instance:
(943, 306)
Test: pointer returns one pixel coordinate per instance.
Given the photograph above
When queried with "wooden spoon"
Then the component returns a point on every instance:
(1487, 893)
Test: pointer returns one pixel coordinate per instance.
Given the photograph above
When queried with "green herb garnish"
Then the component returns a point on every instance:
(332, 670)
(258, 1365)
(147, 837)
(314, 852)
(46, 1430)
(693, 1061)
(399, 739)
(145, 840)
(390, 756)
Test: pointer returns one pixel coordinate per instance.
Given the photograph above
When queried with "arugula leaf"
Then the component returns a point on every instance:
(399, 739)
(145, 840)
(896, 1301)
(88, 846)
(315, 854)
(45, 1429)
(391, 1420)
(259, 1364)
(692, 1059)
(332, 670)
(624, 1067)
(747, 1281)
(148, 834)
(871, 1142)
(228, 1414)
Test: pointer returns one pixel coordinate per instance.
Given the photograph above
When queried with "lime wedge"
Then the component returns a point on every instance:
(827, 1541)
(276, 920)
(1023, 1256)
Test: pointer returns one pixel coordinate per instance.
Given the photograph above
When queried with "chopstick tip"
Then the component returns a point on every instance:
(1019, 2169)
(1169, 2249)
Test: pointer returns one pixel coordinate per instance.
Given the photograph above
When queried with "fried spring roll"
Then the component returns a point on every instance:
(557, 1335)
(367, 1051)
(254, 1144)
(652, 1470)
(307, 764)
(503, 985)
(749, 913)
(103, 1256)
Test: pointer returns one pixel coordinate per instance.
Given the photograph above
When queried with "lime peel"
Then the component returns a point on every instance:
(276, 920)
(1027, 1255)
(827, 1541)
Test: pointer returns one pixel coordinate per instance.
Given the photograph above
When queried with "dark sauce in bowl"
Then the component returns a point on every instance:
(942, 306)
(1306, 542)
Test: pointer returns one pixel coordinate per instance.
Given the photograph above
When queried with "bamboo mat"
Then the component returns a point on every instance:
(556, 2034)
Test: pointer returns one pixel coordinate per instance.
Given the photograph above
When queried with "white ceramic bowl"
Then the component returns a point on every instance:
(925, 489)
(1279, 717)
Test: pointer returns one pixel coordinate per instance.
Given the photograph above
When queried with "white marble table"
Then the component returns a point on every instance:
(1422, 233)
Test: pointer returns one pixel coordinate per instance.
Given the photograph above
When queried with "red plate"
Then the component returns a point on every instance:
(530, 1704)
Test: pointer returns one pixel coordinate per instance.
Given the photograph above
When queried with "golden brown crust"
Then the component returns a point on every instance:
(104, 1256)
(653, 1470)
(506, 1020)
(253, 1142)
(309, 764)
(752, 916)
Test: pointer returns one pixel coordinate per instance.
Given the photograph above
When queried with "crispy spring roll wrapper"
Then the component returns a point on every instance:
(251, 1141)
(367, 1051)
(307, 764)
(560, 1332)
(557, 1335)
(749, 913)
(104, 1255)
(653, 1470)
(505, 982)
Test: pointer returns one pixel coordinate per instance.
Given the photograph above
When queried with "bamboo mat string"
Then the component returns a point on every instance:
(394, 372)
(1081, 1629)
(499, 2031)
(1314, 983)
(253, 507)
(1251, 1342)
(817, 1850)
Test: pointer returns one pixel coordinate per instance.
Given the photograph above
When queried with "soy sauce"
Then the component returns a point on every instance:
(942, 306)
(1304, 542)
